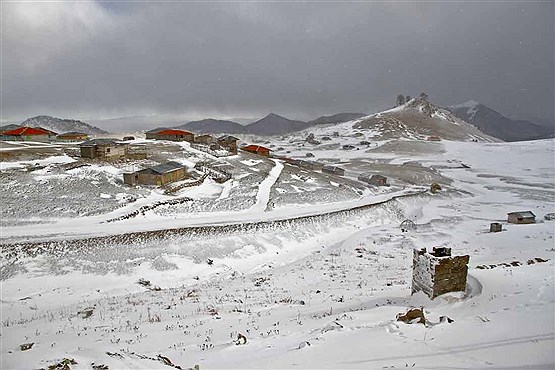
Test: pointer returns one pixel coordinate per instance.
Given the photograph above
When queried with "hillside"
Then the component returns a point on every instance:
(418, 119)
(495, 124)
(274, 124)
(213, 126)
(60, 125)
(336, 118)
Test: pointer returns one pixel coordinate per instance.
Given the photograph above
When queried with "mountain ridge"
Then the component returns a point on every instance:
(496, 124)
(61, 125)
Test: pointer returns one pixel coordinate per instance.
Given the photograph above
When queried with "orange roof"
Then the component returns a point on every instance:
(173, 132)
(26, 131)
(255, 148)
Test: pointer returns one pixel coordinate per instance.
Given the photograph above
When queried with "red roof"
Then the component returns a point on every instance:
(173, 132)
(255, 148)
(26, 131)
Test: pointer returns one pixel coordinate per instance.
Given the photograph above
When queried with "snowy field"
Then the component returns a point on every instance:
(317, 284)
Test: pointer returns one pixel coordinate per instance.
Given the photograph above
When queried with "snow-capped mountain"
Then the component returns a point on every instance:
(495, 124)
(419, 118)
(60, 125)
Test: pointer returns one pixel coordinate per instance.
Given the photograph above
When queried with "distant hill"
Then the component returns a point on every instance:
(9, 127)
(336, 118)
(274, 124)
(420, 119)
(495, 124)
(213, 126)
(60, 125)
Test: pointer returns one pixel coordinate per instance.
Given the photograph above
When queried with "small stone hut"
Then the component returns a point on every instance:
(377, 180)
(495, 227)
(333, 170)
(103, 149)
(437, 272)
(159, 175)
(522, 217)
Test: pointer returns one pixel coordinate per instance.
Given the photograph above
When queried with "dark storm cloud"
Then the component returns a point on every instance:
(297, 59)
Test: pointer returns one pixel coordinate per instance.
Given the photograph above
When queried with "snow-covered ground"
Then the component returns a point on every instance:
(313, 292)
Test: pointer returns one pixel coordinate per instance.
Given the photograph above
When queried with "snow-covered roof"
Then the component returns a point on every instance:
(227, 138)
(165, 167)
(103, 141)
(523, 214)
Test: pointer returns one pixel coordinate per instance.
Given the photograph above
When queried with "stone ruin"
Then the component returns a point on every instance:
(437, 272)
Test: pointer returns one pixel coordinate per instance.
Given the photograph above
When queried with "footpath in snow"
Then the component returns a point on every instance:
(263, 195)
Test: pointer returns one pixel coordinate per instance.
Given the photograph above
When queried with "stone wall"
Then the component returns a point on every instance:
(438, 272)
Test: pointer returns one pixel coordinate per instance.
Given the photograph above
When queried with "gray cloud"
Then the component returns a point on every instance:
(297, 59)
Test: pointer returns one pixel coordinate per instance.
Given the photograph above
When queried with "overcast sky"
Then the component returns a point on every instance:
(244, 59)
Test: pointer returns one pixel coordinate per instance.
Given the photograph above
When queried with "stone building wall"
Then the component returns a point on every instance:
(438, 272)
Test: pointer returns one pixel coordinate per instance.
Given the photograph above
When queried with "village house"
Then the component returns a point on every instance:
(72, 136)
(311, 165)
(315, 165)
(377, 180)
(522, 217)
(27, 134)
(52, 135)
(437, 272)
(257, 149)
(205, 139)
(333, 170)
(103, 149)
(229, 143)
(151, 135)
(159, 175)
(171, 135)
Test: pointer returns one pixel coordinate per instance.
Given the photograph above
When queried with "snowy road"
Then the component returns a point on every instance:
(263, 195)
(105, 233)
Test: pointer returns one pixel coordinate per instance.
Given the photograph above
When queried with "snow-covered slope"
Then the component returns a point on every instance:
(420, 118)
(316, 292)
(336, 118)
(60, 125)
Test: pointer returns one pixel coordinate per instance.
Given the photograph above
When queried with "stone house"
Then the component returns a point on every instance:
(333, 170)
(522, 217)
(495, 227)
(377, 180)
(229, 143)
(159, 175)
(437, 272)
(205, 139)
(107, 149)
